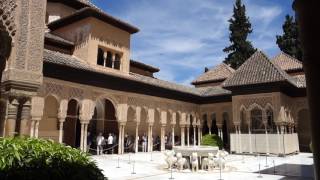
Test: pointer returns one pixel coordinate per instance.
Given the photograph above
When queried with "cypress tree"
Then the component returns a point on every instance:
(289, 41)
(240, 27)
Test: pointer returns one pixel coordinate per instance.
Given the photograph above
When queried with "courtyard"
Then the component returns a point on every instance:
(152, 166)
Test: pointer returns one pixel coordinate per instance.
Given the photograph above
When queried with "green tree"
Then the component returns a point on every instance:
(289, 41)
(240, 27)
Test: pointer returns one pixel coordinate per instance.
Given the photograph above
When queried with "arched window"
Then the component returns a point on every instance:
(270, 120)
(256, 121)
(100, 59)
(117, 61)
(109, 60)
(243, 123)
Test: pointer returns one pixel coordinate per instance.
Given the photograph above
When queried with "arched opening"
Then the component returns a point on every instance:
(243, 122)
(214, 127)
(143, 128)
(256, 121)
(177, 130)
(225, 131)
(205, 128)
(48, 126)
(168, 135)
(156, 130)
(5, 48)
(104, 121)
(191, 130)
(71, 127)
(271, 126)
(304, 129)
(130, 130)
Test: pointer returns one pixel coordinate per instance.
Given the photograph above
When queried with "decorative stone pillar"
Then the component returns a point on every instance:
(182, 127)
(172, 135)
(250, 139)
(162, 137)
(62, 114)
(265, 122)
(121, 137)
(86, 114)
(150, 138)
(240, 139)
(279, 140)
(37, 106)
(199, 134)
(25, 117)
(136, 149)
(194, 135)
(188, 135)
(11, 117)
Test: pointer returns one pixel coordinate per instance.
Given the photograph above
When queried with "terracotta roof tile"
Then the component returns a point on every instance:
(258, 69)
(73, 62)
(52, 37)
(217, 73)
(287, 62)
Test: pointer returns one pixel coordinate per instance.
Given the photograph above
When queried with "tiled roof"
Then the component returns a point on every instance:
(213, 91)
(52, 37)
(287, 62)
(144, 66)
(73, 62)
(258, 69)
(218, 73)
(92, 12)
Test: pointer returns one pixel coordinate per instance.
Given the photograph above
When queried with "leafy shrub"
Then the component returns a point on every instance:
(27, 158)
(211, 140)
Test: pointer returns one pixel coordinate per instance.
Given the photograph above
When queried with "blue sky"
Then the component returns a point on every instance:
(182, 37)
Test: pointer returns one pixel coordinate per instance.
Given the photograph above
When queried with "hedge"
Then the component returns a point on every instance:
(212, 140)
(36, 159)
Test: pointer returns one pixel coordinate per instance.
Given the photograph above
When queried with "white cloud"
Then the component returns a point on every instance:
(181, 37)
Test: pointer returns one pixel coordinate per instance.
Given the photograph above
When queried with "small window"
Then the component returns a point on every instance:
(109, 59)
(100, 59)
(117, 62)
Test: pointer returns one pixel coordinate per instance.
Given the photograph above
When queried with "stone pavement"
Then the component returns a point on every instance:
(151, 166)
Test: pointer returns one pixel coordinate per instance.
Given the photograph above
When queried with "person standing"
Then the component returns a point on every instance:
(100, 141)
(144, 143)
(89, 141)
(110, 142)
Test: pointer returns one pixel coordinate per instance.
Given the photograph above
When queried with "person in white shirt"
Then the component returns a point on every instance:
(110, 142)
(144, 143)
(100, 141)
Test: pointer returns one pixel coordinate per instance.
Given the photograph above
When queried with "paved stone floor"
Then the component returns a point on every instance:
(151, 166)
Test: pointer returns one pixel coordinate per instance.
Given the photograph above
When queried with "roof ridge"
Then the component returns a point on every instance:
(274, 74)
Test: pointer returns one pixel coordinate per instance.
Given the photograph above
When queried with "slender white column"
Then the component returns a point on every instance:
(137, 138)
(279, 140)
(85, 138)
(267, 140)
(151, 138)
(81, 136)
(32, 123)
(199, 136)
(172, 136)
(36, 129)
(120, 140)
(123, 133)
(237, 139)
(240, 141)
(250, 139)
(162, 138)
(182, 135)
(194, 135)
(60, 131)
(188, 135)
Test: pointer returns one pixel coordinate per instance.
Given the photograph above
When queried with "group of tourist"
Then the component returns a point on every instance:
(103, 145)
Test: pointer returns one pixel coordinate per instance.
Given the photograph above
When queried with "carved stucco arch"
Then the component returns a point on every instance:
(253, 106)
(7, 12)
